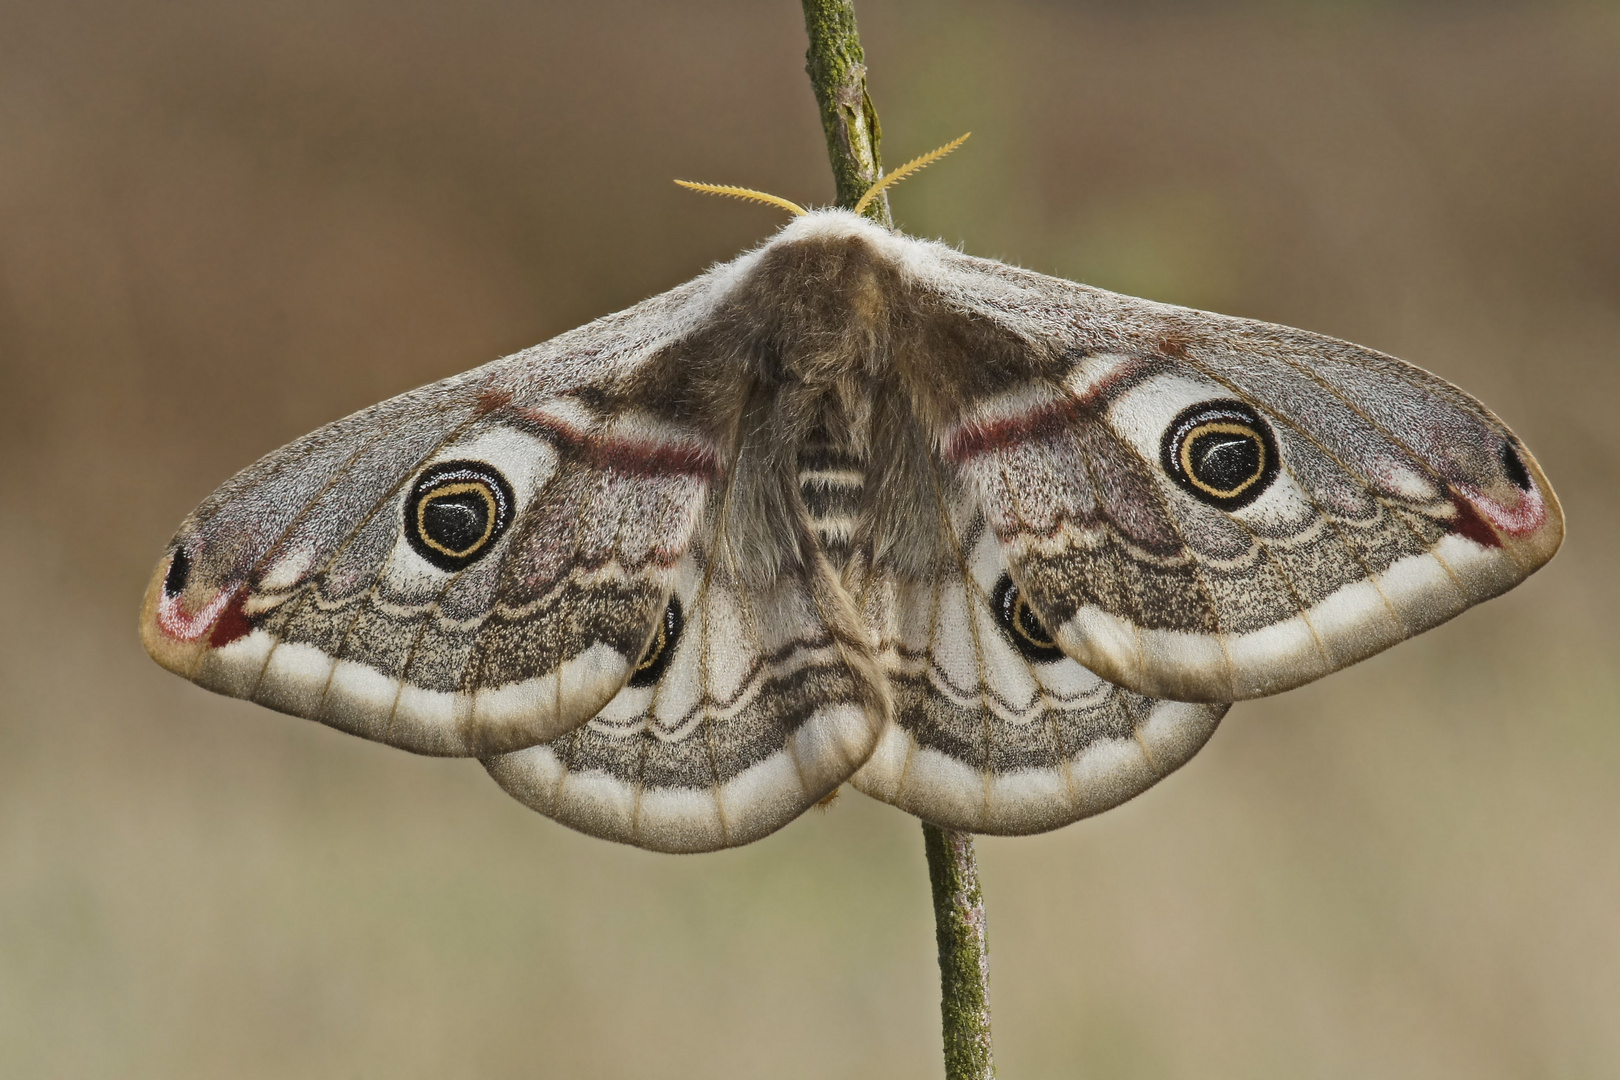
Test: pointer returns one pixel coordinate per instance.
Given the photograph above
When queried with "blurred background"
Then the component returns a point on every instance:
(225, 223)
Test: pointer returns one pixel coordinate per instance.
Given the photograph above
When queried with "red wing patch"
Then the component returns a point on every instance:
(232, 624)
(1048, 411)
(1525, 517)
(1044, 421)
(224, 610)
(628, 455)
(1471, 525)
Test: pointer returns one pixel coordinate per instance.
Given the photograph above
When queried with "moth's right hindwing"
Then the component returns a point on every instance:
(467, 569)
(995, 729)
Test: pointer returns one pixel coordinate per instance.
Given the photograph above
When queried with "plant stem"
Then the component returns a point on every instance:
(964, 953)
(837, 69)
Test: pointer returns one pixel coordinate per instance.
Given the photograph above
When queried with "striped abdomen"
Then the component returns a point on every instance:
(830, 482)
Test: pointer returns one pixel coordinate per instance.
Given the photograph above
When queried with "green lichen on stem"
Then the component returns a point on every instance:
(837, 69)
(964, 955)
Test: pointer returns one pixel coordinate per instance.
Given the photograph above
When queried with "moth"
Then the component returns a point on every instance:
(992, 546)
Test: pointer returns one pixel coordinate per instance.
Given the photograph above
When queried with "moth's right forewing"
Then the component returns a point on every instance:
(1206, 508)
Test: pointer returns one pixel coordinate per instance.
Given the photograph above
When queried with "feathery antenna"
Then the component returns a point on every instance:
(746, 193)
(888, 179)
(914, 165)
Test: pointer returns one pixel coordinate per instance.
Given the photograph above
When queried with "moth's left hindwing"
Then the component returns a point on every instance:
(467, 569)
(760, 698)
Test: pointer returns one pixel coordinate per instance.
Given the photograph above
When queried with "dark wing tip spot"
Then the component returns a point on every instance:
(1513, 465)
(174, 582)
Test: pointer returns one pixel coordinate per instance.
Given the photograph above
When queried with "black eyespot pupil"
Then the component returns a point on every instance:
(457, 522)
(1021, 625)
(1224, 460)
(1030, 627)
(1513, 465)
(174, 582)
(662, 647)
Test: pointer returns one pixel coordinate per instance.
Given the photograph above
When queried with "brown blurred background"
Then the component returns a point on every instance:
(223, 224)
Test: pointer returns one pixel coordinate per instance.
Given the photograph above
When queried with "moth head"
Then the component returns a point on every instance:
(1221, 452)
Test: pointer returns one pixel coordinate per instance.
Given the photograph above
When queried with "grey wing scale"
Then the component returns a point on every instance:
(1210, 509)
(995, 730)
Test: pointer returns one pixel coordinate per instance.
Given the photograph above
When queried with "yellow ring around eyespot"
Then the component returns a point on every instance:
(483, 492)
(1217, 428)
(656, 649)
(1019, 607)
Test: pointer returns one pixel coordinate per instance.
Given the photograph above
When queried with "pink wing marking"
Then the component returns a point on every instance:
(223, 615)
(1521, 520)
(995, 429)
(628, 455)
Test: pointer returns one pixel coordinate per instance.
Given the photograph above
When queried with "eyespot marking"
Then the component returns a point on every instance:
(656, 659)
(1021, 625)
(1221, 452)
(1513, 465)
(174, 582)
(456, 511)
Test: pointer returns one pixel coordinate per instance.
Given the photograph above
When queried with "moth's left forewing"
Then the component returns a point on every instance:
(470, 567)
(1208, 509)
